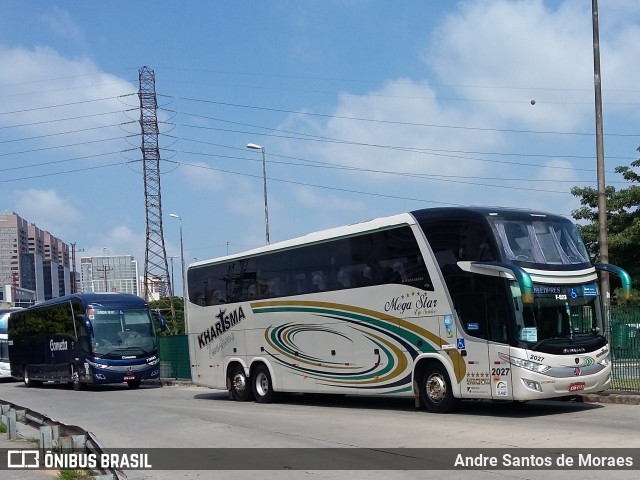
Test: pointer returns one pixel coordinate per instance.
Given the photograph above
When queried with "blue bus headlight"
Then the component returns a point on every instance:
(98, 365)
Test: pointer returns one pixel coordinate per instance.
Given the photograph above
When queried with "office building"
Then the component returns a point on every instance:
(31, 260)
(113, 273)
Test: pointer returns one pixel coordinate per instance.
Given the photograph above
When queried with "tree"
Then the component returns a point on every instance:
(623, 221)
(164, 307)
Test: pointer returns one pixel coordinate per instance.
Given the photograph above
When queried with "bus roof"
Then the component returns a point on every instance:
(381, 223)
(107, 299)
(481, 212)
(319, 236)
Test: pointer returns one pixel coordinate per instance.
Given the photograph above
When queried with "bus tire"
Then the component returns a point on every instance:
(75, 379)
(239, 386)
(436, 393)
(262, 385)
(133, 384)
(26, 379)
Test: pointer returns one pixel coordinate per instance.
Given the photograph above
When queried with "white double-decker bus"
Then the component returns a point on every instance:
(437, 304)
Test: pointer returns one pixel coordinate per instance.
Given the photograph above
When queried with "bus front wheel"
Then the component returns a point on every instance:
(239, 386)
(75, 380)
(435, 390)
(262, 385)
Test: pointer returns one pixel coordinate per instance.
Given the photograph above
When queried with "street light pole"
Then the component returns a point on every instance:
(603, 241)
(184, 277)
(253, 146)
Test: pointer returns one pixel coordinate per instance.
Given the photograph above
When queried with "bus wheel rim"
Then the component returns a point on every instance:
(262, 384)
(436, 388)
(239, 382)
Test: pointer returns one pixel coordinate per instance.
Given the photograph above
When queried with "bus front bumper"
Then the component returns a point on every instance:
(531, 386)
(102, 373)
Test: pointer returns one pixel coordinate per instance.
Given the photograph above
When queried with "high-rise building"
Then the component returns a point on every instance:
(32, 259)
(113, 273)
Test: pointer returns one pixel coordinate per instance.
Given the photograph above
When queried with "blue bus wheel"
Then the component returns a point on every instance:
(75, 379)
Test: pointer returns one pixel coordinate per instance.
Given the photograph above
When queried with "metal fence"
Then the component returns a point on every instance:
(174, 357)
(624, 338)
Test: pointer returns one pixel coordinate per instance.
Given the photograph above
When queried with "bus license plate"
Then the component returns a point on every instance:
(574, 387)
(132, 377)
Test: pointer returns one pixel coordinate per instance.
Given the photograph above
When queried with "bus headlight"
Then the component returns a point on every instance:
(98, 365)
(606, 361)
(526, 364)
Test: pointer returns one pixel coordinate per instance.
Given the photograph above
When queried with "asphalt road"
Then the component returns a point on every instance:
(191, 417)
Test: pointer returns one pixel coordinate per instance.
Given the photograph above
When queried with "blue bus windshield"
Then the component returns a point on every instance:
(122, 332)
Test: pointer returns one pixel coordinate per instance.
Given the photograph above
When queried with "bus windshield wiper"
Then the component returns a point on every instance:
(545, 340)
(129, 349)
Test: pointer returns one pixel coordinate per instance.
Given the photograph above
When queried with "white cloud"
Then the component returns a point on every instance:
(200, 176)
(407, 120)
(62, 25)
(47, 209)
(523, 50)
(116, 240)
(489, 59)
(64, 102)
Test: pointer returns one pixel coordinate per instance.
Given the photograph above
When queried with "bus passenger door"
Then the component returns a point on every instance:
(500, 371)
(471, 342)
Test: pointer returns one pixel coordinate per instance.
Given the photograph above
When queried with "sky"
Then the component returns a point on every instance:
(364, 108)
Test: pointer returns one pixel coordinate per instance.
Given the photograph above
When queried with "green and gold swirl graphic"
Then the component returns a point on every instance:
(393, 338)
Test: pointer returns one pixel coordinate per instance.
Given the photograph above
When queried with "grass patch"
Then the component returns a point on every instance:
(627, 384)
(3, 428)
(74, 475)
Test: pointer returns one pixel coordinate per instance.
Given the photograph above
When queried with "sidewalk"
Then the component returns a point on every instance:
(612, 396)
(23, 442)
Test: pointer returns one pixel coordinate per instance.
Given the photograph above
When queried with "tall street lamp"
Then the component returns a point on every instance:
(184, 278)
(253, 146)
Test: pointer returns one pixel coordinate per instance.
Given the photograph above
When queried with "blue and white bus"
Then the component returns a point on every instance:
(5, 371)
(85, 338)
(438, 304)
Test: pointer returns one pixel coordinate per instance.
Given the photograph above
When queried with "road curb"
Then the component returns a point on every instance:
(622, 398)
(610, 396)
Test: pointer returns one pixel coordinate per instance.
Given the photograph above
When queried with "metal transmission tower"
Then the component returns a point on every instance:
(156, 268)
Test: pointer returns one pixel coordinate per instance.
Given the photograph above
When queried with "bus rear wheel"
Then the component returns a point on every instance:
(239, 386)
(435, 390)
(262, 385)
(26, 379)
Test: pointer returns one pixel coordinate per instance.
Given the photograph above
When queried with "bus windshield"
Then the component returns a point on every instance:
(119, 332)
(542, 241)
(559, 315)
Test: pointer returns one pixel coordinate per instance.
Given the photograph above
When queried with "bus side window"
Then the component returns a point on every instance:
(472, 311)
(318, 281)
(343, 279)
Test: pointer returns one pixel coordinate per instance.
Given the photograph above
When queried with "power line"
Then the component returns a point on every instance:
(335, 166)
(47, 135)
(395, 122)
(56, 120)
(63, 173)
(45, 107)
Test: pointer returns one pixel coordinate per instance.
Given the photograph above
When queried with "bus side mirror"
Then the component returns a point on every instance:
(160, 319)
(88, 326)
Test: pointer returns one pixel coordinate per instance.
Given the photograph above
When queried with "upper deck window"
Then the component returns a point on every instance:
(541, 240)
